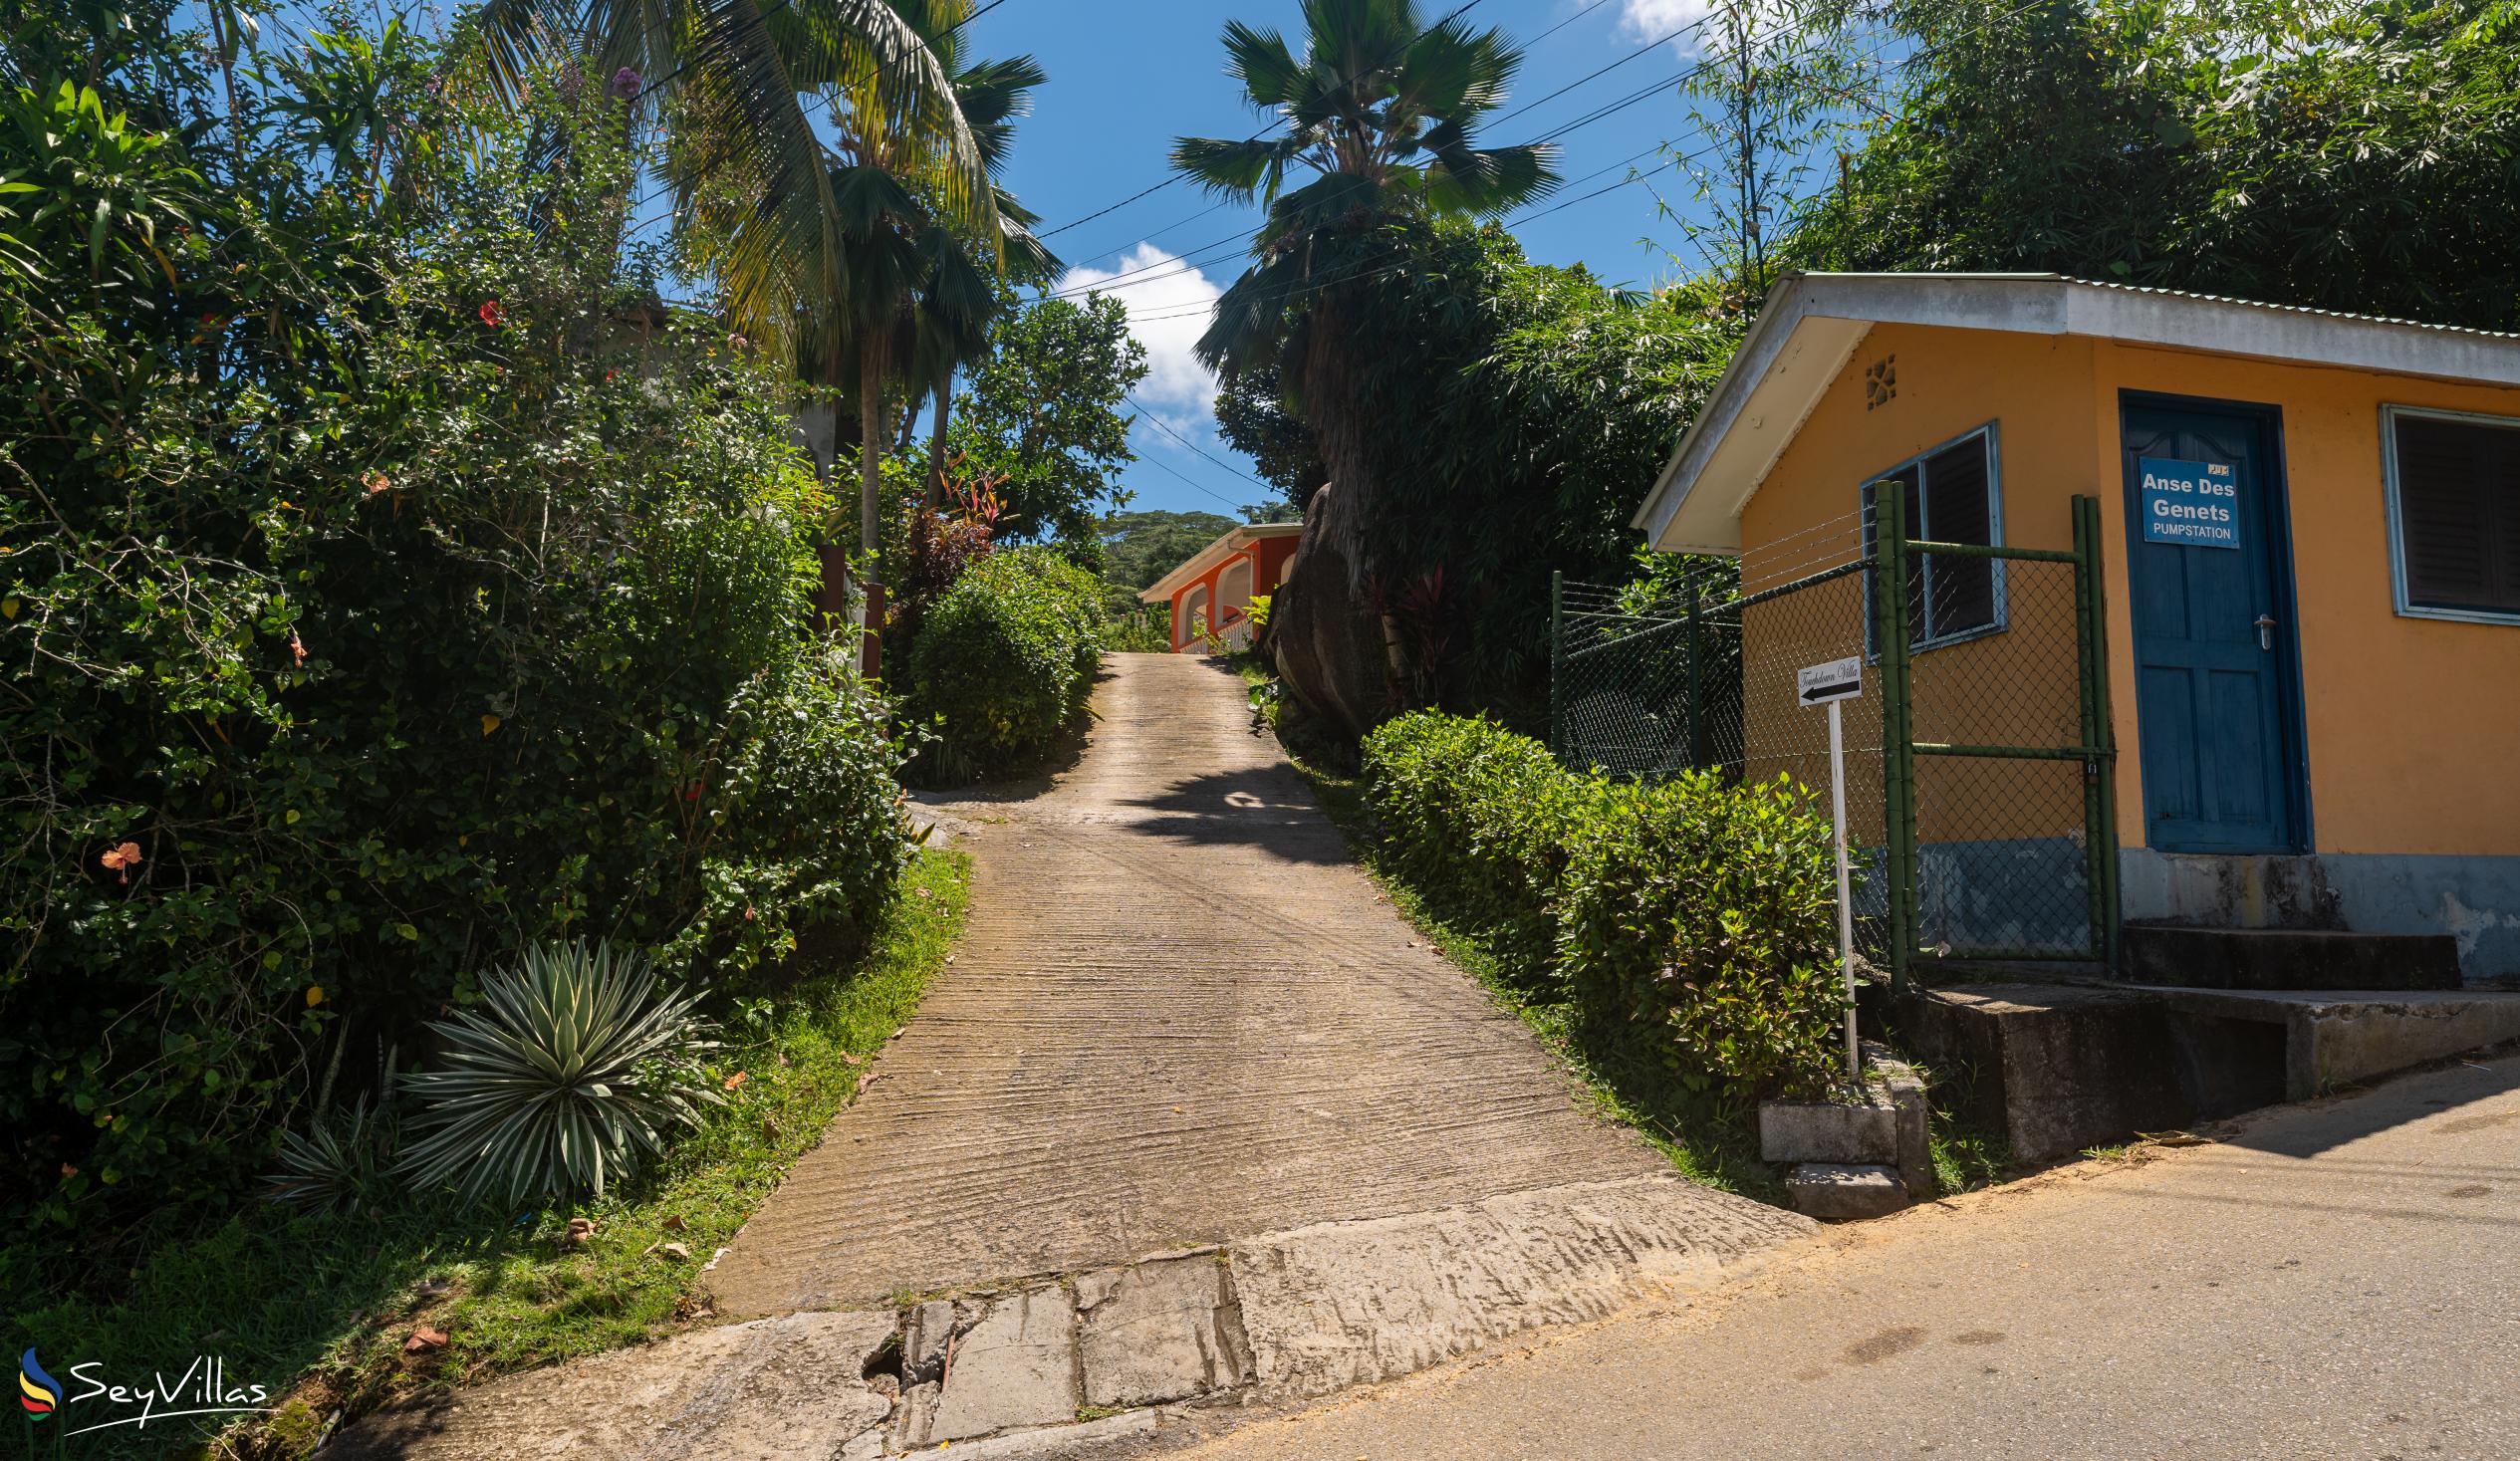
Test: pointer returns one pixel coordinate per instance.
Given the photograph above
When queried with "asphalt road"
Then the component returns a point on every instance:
(2332, 1280)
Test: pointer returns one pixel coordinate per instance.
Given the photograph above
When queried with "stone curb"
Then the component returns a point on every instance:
(1037, 1367)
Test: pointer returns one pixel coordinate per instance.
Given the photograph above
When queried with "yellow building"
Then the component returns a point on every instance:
(2310, 549)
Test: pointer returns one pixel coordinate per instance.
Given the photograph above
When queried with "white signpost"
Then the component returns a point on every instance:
(1832, 684)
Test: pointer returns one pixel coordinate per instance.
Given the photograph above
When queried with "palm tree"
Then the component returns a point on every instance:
(853, 257)
(918, 302)
(1382, 111)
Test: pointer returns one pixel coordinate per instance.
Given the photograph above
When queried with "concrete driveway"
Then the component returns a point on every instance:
(1179, 1014)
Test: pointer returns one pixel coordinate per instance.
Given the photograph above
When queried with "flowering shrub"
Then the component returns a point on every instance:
(384, 590)
(936, 545)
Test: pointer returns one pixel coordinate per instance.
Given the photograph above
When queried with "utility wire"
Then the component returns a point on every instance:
(1172, 178)
(1155, 421)
(1182, 263)
(1680, 160)
(1161, 465)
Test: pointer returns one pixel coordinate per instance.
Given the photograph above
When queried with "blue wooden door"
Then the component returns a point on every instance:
(2216, 678)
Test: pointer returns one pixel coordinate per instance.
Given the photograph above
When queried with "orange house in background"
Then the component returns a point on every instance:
(1215, 586)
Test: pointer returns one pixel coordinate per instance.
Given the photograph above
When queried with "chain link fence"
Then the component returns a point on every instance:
(1654, 679)
(1976, 762)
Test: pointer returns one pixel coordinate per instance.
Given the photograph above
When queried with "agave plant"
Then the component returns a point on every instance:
(337, 1164)
(577, 1066)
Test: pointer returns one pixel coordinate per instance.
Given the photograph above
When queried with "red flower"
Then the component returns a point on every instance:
(492, 315)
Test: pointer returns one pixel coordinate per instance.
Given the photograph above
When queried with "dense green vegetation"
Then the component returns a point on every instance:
(1688, 916)
(319, 1306)
(397, 587)
(402, 592)
(1004, 663)
(1141, 547)
(2355, 156)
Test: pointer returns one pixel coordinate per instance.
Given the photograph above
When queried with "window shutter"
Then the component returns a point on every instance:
(1958, 510)
(2458, 513)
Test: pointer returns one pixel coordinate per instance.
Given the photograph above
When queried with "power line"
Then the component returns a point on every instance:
(1172, 178)
(1184, 265)
(1161, 465)
(1682, 160)
(1157, 422)
(1204, 212)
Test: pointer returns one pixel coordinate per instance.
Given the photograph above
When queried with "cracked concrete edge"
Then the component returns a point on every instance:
(1284, 1316)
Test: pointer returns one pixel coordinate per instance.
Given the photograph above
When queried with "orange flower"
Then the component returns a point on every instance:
(121, 859)
(376, 482)
(296, 649)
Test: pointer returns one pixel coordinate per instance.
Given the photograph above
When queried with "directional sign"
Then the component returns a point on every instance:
(1839, 680)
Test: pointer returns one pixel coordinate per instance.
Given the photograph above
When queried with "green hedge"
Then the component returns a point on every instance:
(1696, 914)
(1004, 662)
(1480, 820)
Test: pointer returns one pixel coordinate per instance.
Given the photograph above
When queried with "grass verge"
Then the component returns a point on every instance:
(319, 1310)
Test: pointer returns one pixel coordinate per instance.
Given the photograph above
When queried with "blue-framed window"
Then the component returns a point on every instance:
(1953, 494)
(2453, 513)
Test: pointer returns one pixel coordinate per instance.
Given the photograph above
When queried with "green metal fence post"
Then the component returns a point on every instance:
(1898, 813)
(1557, 663)
(1697, 721)
(2087, 701)
(2103, 737)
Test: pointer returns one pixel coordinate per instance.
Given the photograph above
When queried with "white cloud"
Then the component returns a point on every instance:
(1644, 20)
(1169, 306)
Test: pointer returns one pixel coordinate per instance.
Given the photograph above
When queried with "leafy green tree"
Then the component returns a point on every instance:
(1045, 415)
(2354, 157)
(1254, 419)
(1524, 408)
(1778, 83)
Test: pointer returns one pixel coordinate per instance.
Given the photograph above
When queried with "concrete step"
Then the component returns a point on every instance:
(2061, 1068)
(2331, 1038)
(2055, 1068)
(1844, 1191)
(2288, 958)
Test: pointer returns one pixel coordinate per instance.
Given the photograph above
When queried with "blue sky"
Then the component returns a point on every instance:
(1129, 76)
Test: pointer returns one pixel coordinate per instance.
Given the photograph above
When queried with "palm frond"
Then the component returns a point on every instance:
(1233, 169)
(1260, 60)
(1490, 181)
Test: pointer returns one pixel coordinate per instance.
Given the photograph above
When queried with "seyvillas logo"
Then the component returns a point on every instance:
(38, 1393)
(91, 1402)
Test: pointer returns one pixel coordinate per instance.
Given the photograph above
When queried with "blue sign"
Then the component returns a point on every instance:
(2192, 504)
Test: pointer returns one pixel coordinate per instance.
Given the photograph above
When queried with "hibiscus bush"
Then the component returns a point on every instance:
(389, 579)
